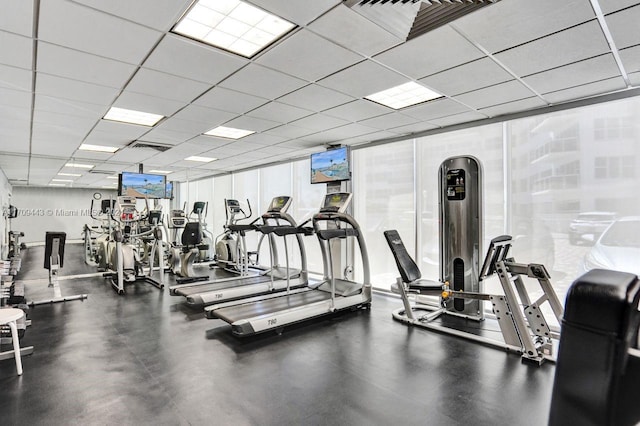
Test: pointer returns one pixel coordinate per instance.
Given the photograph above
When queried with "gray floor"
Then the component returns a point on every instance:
(145, 358)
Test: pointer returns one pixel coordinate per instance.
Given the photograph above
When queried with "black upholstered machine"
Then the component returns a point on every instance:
(597, 378)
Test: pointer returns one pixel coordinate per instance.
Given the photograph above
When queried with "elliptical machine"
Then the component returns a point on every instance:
(125, 265)
(96, 252)
(231, 247)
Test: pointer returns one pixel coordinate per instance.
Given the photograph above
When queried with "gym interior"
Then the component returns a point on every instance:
(321, 212)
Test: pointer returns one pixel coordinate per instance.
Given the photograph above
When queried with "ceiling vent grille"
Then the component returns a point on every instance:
(150, 145)
(408, 19)
(101, 172)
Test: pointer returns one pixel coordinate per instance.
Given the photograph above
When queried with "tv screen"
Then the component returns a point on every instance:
(142, 185)
(169, 191)
(330, 166)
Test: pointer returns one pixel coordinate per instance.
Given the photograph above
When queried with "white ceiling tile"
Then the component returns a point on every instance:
(575, 74)
(211, 117)
(263, 82)
(290, 131)
(91, 155)
(577, 43)
(308, 56)
(107, 139)
(133, 155)
(363, 79)
(65, 88)
(315, 98)
(514, 22)
(16, 50)
(300, 144)
(168, 137)
(371, 137)
(624, 27)
(494, 95)
(15, 98)
(158, 14)
(512, 107)
(434, 109)
(412, 128)
(65, 106)
(252, 123)
(15, 78)
(86, 67)
(358, 110)
(17, 17)
(193, 128)
(74, 124)
(229, 100)
(295, 11)
(279, 112)
(353, 31)
(124, 130)
(73, 25)
(14, 134)
(465, 78)
(634, 78)
(190, 59)
(609, 6)
(319, 122)
(631, 59)
(146, 103)
(343, 132)
(465, 117)
(589, 89)
(210, 142)
(263, 139)
(53, 141)
(163, 85)
(274, 150)
(430, 53)
(387, 121)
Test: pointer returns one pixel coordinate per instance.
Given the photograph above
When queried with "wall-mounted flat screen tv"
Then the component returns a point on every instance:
(330, 166)
(142, 185)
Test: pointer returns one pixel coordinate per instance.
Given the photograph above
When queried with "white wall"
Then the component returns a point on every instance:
(5, 196)
(43, 209)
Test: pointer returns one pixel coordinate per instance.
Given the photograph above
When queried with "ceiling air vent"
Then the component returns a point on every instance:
(150, 145)
(101, 172)
(408, 19)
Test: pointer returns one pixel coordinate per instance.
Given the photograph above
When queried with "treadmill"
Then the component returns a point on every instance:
(272, 280)
(330, 295)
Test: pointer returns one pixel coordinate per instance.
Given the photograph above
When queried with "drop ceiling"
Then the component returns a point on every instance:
(64, 63)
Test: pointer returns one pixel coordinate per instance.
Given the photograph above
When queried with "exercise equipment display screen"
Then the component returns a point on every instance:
(330, 166)
(142, 185)
(336, 202)
(279, 204)
(455, 184)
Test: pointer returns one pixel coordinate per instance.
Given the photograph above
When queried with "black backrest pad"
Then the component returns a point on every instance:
(191, 235)
(408, 269)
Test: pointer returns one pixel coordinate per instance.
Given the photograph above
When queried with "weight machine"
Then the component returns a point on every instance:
(460, 289)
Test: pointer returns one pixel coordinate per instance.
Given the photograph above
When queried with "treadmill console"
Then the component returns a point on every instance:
(336, 203)
(279, 204)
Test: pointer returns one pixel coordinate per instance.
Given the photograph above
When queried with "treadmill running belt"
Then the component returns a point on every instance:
(232, 314)
(198, 289)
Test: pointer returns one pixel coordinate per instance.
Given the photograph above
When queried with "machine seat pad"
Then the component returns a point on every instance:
(409, 271)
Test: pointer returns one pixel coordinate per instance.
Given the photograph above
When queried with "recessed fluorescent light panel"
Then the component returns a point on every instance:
(112, 177)
(404, 95)
(161, 172)
(200, 159)
(61, 180)
(229, 132)
(132, 117)
(70, 174)
(98, 148)
(57, 184)
(232, 25)
(79, 166)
